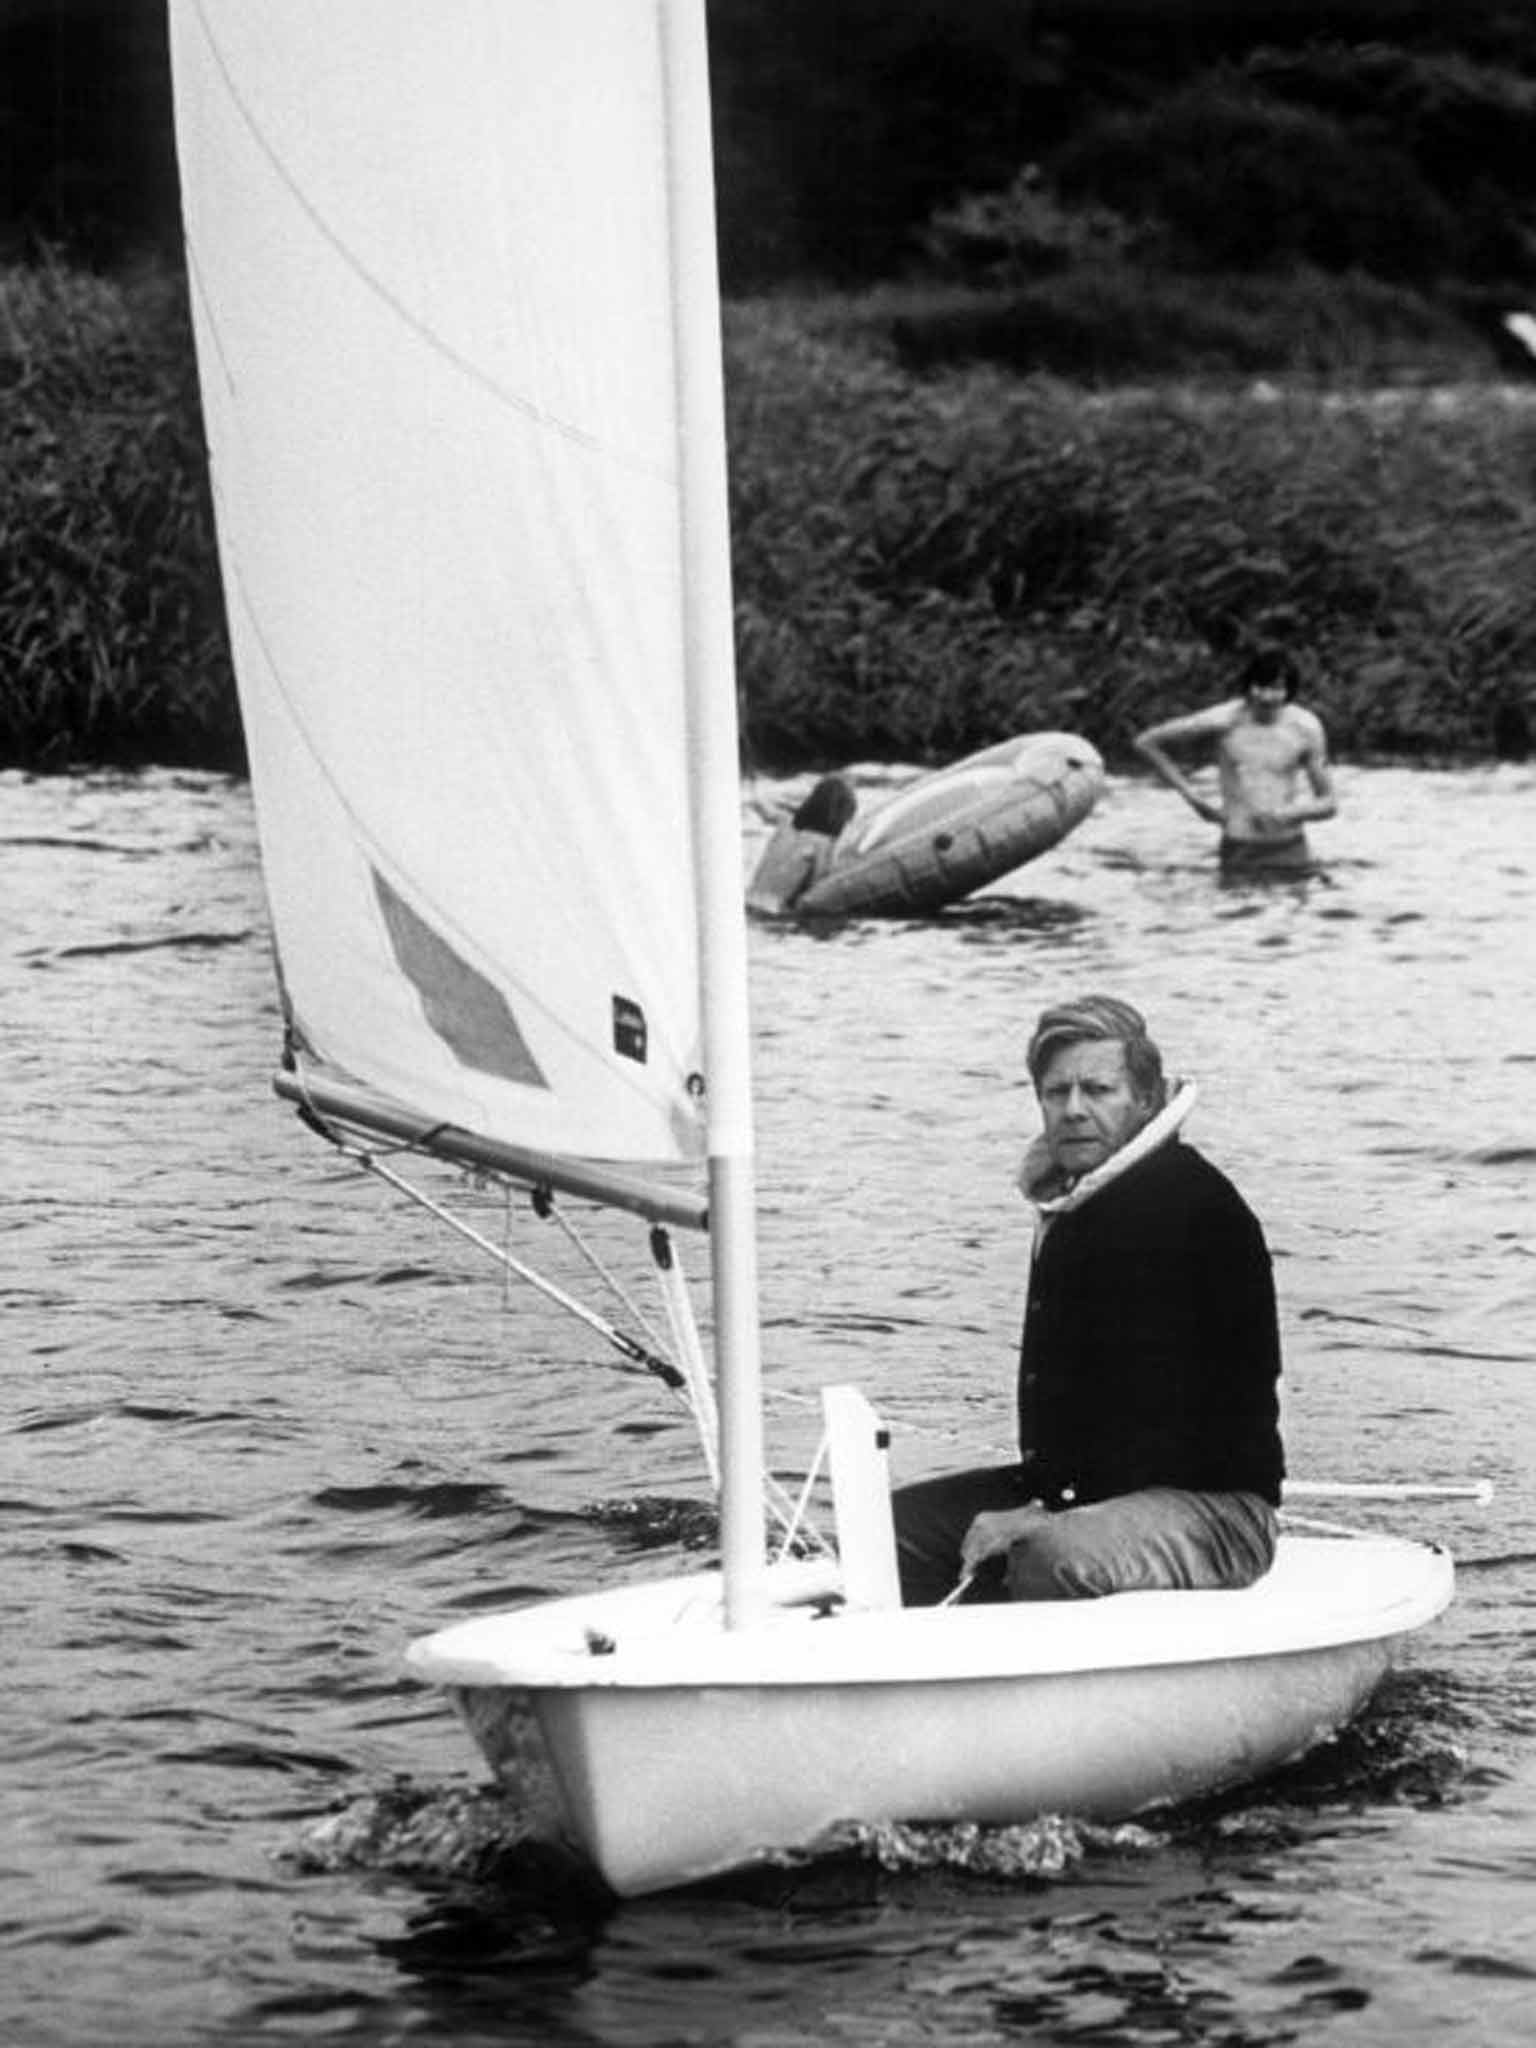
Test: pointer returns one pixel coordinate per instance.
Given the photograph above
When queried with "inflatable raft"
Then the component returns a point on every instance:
(933, 842)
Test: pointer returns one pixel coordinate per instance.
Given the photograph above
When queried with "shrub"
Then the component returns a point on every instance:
(1112, 322)
(923, 565)
(1023, 231)
(923, 568)
(112, 633)
(1243, 181)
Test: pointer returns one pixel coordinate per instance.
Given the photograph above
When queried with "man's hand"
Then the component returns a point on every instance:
(994, 1534)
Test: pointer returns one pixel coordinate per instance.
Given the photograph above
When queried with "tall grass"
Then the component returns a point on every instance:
(923, 565)
(111, 640)
(1111, 321)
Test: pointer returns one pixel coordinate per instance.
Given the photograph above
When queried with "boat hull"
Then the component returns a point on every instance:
(956, 830)
(666, 1787)
(692, 1752)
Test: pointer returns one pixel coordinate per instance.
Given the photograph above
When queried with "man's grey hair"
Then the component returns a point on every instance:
(1100, 1017)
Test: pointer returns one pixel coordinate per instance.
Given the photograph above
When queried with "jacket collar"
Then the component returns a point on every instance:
(1042, 1184)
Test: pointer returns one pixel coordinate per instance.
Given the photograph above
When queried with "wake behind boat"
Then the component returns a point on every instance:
(453, 278)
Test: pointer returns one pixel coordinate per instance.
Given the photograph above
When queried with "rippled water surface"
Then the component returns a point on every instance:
(262, 1423)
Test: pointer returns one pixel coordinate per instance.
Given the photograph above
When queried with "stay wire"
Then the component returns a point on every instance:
(788, 1514)
(638, 1357)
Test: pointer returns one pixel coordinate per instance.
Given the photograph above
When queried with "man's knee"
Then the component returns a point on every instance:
(1054, 1562)
(1160, 1540)
(930, 1517)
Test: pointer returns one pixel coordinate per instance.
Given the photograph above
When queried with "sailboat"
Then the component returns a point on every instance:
(452, 269)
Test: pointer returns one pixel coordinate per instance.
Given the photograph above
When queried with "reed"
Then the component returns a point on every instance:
(923, 564)
(111, 643)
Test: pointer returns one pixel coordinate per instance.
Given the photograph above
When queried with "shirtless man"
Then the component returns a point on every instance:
(1272, 760)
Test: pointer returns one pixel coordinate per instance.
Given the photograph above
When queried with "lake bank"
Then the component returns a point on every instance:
(923, 564)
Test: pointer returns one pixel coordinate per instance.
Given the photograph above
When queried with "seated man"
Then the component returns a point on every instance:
(1149, 1445)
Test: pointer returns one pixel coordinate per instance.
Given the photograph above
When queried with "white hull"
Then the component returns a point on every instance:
(681, 1750)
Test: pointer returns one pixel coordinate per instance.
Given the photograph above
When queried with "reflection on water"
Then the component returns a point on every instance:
(258, 1431)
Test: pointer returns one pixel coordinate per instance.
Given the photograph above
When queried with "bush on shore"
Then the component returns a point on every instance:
(923, 565)
(1112, 322)
(922, 568)
(112, 645)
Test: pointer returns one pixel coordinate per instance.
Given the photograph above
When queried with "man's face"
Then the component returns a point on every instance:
(1089, 1105)
(1266, 701)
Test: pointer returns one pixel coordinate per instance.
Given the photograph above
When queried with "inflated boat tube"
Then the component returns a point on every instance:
(947, 833)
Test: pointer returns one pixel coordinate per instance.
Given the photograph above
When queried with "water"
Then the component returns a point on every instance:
(260, 1428)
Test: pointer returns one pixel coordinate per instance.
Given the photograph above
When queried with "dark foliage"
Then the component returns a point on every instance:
(1159, 286)
(839, 127)
(1394, 134)
(922, 569)
(1243, 182)
(1468, 128)
(1105, 323)
(85, 128)
(112, 643)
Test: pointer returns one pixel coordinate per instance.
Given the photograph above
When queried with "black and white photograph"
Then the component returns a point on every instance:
(769, 824)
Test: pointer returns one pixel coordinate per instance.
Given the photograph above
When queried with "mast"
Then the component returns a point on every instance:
(710, 689)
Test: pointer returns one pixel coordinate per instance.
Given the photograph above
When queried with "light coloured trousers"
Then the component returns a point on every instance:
(1163, 1538)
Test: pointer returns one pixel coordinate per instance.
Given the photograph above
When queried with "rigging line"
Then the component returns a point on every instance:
(514, 401)
(790, 1514)
(801, 1504)
(898, 1425)
(688, 1347)
(639, 1357)
(506, 1245)
(1320, 1528)
(790, 1398)
(701, 1394)
(777, 1500)
(549, 1211)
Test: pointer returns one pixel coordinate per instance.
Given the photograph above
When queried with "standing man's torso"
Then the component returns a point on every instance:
(1259, 764)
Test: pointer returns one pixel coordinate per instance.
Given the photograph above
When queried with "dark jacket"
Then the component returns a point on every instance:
(1151, 1353)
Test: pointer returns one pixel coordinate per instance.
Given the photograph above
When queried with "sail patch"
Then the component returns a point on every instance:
(630, 1036)
(469, 1014)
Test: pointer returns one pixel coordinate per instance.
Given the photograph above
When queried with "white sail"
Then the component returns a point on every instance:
(428, 245)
